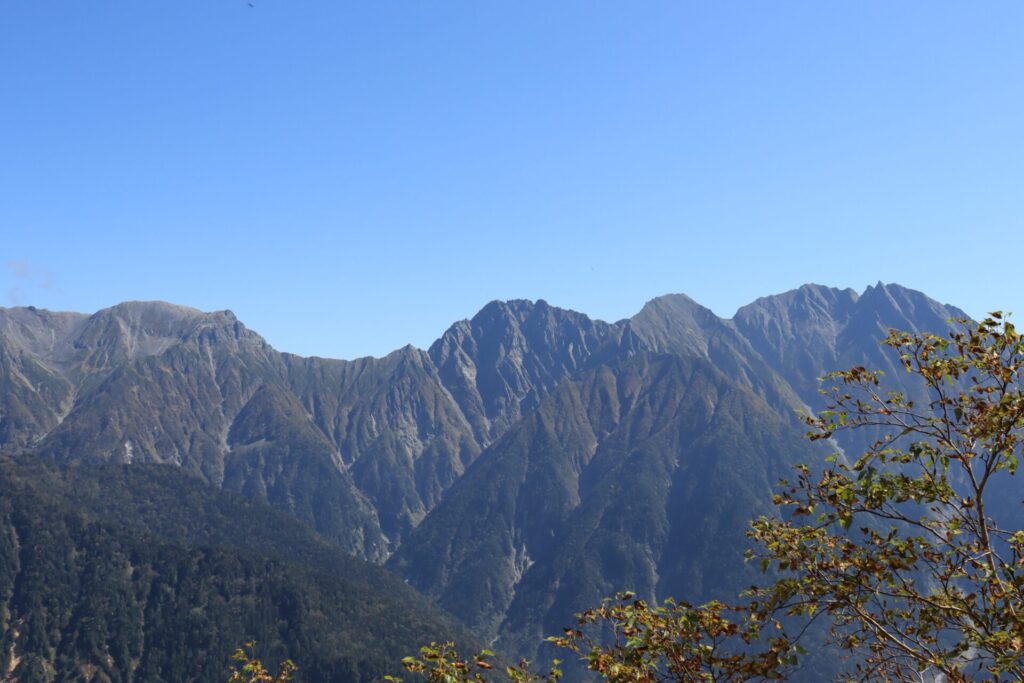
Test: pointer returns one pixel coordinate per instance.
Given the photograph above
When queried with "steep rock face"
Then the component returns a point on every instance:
(676, 324)
(613, 482)
(798, 332)
(276, 453)
(642, 469)
(161, 398)
(364, 450)
(39, 332)
(655, 516)
(155, 383)
(51, 359)
(504, 361)
(34, 396)
(812, 330)
(884, 307)
(501, 510)
(398, 432)
(806, 333)
(130, 331)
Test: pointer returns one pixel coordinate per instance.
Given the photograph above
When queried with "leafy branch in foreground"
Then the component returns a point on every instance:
(900, 551)
(903, 551)
(251, 670)
(442, 663)
(678, 642)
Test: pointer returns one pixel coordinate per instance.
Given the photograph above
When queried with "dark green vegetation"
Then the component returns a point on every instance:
(531, 462)
(144, 573)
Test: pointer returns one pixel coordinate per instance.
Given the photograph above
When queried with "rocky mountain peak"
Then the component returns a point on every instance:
(908, 309)
(811, 314)
(37, 330)
(675, 323)
(500, 363)
(133, 329)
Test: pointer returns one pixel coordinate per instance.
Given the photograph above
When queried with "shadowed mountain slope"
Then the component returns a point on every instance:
(812, 330)
(615, 481)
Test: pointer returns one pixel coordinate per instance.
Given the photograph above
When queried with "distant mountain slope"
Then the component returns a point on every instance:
(361, 450)
(812, 330)
(643, 471)
(618, 479)
(500, 364)
(142, 573)
(805, 333)
(677, 324)
(398, 432)
(34, 397)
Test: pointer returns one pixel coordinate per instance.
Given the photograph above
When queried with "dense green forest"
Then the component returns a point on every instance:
(144, 573)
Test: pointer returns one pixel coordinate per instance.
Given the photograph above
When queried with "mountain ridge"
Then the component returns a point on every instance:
(10, 314)
(159, 382)
(529, 462)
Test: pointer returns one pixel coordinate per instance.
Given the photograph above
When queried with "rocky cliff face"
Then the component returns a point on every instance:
(157, 383)
(809, 331)
(614, 480)
(813, 330)
(34, 396)
(499, 365)
(643, 467)
(362, 450)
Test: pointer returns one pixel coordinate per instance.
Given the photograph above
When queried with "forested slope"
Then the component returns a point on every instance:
(145, 574)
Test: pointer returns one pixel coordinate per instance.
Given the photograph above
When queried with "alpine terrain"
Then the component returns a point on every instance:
(529, 463)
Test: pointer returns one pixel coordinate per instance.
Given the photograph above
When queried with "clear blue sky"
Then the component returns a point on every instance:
(349, 177)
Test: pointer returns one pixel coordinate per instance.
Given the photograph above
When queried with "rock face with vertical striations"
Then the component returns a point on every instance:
(156, 383)
(362, 450)
(34, 395)
(614, 481)
(499, 365)
(813, 330)
(395, 428)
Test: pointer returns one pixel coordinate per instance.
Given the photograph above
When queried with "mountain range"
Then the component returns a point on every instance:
(530, 462)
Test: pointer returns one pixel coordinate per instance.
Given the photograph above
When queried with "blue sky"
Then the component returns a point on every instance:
(352, 177)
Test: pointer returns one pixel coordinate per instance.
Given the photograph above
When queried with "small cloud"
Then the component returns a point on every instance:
(20, 269)
(28, 276)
